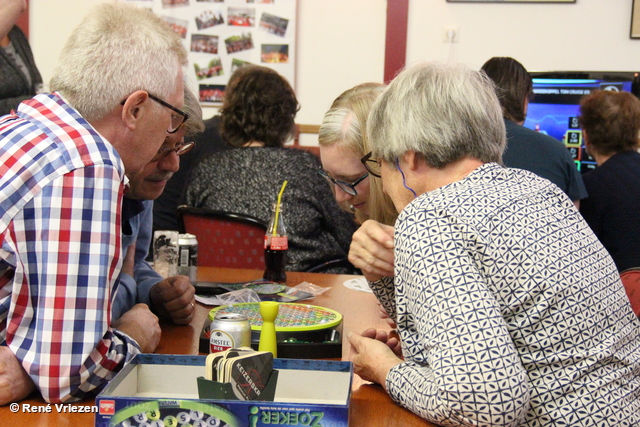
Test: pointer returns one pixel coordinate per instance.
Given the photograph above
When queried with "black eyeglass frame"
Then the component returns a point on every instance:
(179, 149)
(367, 159)
(184, 115)
(347, 187)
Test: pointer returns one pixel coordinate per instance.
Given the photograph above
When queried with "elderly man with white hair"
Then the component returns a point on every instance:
(66, 158)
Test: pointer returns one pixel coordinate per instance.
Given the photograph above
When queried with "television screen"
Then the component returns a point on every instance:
(555, 105)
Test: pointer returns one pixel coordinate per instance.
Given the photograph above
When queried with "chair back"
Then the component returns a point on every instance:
(225, 239)
(631, 281)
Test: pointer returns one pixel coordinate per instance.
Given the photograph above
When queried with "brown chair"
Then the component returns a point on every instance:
(225, 239)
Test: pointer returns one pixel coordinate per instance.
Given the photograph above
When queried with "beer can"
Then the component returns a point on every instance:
(165, 252)
(229, 330)
(188, 256)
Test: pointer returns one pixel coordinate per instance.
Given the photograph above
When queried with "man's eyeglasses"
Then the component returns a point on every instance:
(347, 187)
(177, 120)
(179, 149)
(372, 165)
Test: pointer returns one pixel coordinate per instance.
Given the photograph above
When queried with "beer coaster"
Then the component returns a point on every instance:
(291, 317)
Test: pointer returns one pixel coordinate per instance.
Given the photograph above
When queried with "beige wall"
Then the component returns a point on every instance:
(341, 42)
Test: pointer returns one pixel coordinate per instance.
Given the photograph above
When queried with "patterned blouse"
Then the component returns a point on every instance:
(510, 310)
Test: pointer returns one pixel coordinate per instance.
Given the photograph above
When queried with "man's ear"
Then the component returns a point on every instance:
(133, 108)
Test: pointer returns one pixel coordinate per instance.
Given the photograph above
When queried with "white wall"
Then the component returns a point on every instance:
(590, 35)
(341, 42)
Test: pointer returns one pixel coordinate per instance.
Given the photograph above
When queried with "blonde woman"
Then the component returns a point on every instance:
(342, 140)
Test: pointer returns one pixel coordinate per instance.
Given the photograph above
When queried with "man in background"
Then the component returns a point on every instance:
(528, 149)
(118, 90)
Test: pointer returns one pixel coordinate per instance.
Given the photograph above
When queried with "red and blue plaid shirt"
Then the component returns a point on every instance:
(61, 187)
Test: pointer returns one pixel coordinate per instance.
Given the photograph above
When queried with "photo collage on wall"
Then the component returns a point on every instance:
(222, 35)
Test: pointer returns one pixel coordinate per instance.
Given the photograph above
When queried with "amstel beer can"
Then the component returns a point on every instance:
(229, 330)
(188, 256)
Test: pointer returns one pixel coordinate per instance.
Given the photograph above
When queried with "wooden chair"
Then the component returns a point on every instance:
(225, 239)
(306, 129)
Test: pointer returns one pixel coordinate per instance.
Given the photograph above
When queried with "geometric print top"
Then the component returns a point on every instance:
(61, 186)
(509, 309)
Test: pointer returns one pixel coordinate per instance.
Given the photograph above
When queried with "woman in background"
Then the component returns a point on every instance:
(342, 140)
(611, 122)
(257, 117)
(19, 77)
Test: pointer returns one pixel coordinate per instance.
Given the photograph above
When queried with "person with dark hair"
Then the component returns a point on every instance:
(610, 125)
(528, 149)
(257, 118)
(19, 77)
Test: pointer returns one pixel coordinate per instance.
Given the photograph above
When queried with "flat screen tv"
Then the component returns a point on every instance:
(555, 105)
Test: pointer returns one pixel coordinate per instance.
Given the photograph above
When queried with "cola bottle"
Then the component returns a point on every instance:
(276, 246)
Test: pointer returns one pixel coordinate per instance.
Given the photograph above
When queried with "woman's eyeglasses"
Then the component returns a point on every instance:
(372, 165)
(347, 187)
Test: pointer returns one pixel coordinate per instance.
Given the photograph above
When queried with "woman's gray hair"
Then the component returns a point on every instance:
(443, 112)
(116, 50)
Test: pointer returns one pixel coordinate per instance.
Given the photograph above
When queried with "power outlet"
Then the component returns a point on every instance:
(451, 35)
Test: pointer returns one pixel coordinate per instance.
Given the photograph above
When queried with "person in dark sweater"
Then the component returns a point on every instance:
(19, 77)
(611, 123)
(527, 149)
(257, 117)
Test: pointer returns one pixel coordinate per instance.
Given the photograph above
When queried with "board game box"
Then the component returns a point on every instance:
(162, 390)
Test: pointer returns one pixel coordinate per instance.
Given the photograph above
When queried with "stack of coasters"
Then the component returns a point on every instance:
(246, 370)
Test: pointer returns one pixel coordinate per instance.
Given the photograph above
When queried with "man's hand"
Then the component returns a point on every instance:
(15, 383)
(372, 250)
(174, 298)
(372, 354)
(141, 325)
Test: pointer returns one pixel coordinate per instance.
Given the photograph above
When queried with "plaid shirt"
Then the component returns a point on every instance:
(61, 187)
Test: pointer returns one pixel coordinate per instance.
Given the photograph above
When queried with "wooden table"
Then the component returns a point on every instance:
(370, 405)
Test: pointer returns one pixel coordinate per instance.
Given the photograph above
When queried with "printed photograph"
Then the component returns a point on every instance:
(174, 3)
(260, 1)
(274, 24)
(237, 63)
(239, 43)
(210, 1)
(241, 17)
(178, 25)
(275, 53)
(204, 43)
(209, 18)
(211, 93)
(212, 69)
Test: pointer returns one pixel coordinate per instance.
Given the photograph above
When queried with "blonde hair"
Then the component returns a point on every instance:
(116, 50)
(345, 123)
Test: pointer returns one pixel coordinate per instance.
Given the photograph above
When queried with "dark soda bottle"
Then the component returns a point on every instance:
(276, 246)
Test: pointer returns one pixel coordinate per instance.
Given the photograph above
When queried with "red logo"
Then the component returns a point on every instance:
(107, 407)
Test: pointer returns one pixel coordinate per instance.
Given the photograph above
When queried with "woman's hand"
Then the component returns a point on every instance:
(372, 250)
